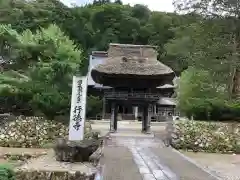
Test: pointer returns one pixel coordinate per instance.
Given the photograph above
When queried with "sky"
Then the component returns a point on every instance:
(154, 5)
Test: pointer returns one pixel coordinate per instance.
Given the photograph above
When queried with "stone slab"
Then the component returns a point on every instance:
(119, 165)
(148, 177)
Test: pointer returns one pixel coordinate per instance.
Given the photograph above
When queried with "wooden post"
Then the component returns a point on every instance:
(155, 110)
(144, 119)
(104, 109)
(149, 116)
(113, 117)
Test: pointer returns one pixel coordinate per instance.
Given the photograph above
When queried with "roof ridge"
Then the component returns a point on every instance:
(132, 45)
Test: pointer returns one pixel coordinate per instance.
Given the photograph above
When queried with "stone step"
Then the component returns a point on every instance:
(132, 134)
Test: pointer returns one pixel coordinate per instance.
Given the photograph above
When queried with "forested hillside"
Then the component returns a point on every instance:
(43, 43)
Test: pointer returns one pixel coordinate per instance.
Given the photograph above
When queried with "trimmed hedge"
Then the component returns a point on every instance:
(33, 132)
(211, 137)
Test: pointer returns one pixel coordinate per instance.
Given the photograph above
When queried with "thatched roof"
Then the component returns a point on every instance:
(131, 50)
(124, 59)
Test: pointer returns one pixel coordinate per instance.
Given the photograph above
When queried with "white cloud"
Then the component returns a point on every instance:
(155, 5)
(77, 2)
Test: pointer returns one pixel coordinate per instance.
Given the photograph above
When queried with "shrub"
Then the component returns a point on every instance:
(33, 132)
(94, 106)
(6, 172)
(207, 136)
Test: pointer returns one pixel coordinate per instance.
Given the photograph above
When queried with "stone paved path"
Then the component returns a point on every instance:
(148, 163)
(119, 165)
(140, 158)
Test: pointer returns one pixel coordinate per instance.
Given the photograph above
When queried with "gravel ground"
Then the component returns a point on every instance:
(48, 163)
(18, 151)
(10, 150)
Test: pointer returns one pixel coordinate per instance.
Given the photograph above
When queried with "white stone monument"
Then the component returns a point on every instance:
(78, 108)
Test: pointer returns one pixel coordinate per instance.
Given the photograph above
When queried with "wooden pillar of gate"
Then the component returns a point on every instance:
(113, 119)
(146, 121)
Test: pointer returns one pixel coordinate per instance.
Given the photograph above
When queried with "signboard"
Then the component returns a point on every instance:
(78, 108)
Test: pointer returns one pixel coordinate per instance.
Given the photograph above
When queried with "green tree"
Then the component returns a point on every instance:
(141, 12)
(38, 59)
(6, 172)
(48, 59)
(198, 93)
(118, 2)
(228, 13)
(94, 106)
(101, 2)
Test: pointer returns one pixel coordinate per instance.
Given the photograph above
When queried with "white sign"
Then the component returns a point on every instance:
(78, 108)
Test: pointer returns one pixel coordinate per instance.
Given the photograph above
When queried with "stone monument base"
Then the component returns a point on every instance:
(46, 167)
(76, 151)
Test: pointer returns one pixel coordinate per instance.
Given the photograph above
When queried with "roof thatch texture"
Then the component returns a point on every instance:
(133, 60)
(130, 50)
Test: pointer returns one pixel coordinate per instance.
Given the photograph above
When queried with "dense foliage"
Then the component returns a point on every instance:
(39, 71)
(210, 47)
(43, 58)
(201, 45)
(94, 108)
(6, 172)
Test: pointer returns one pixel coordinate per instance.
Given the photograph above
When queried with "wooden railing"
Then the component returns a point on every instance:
(131, 95)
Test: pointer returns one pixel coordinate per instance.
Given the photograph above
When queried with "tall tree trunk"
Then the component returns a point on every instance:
(236, 85)
(236, 68)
